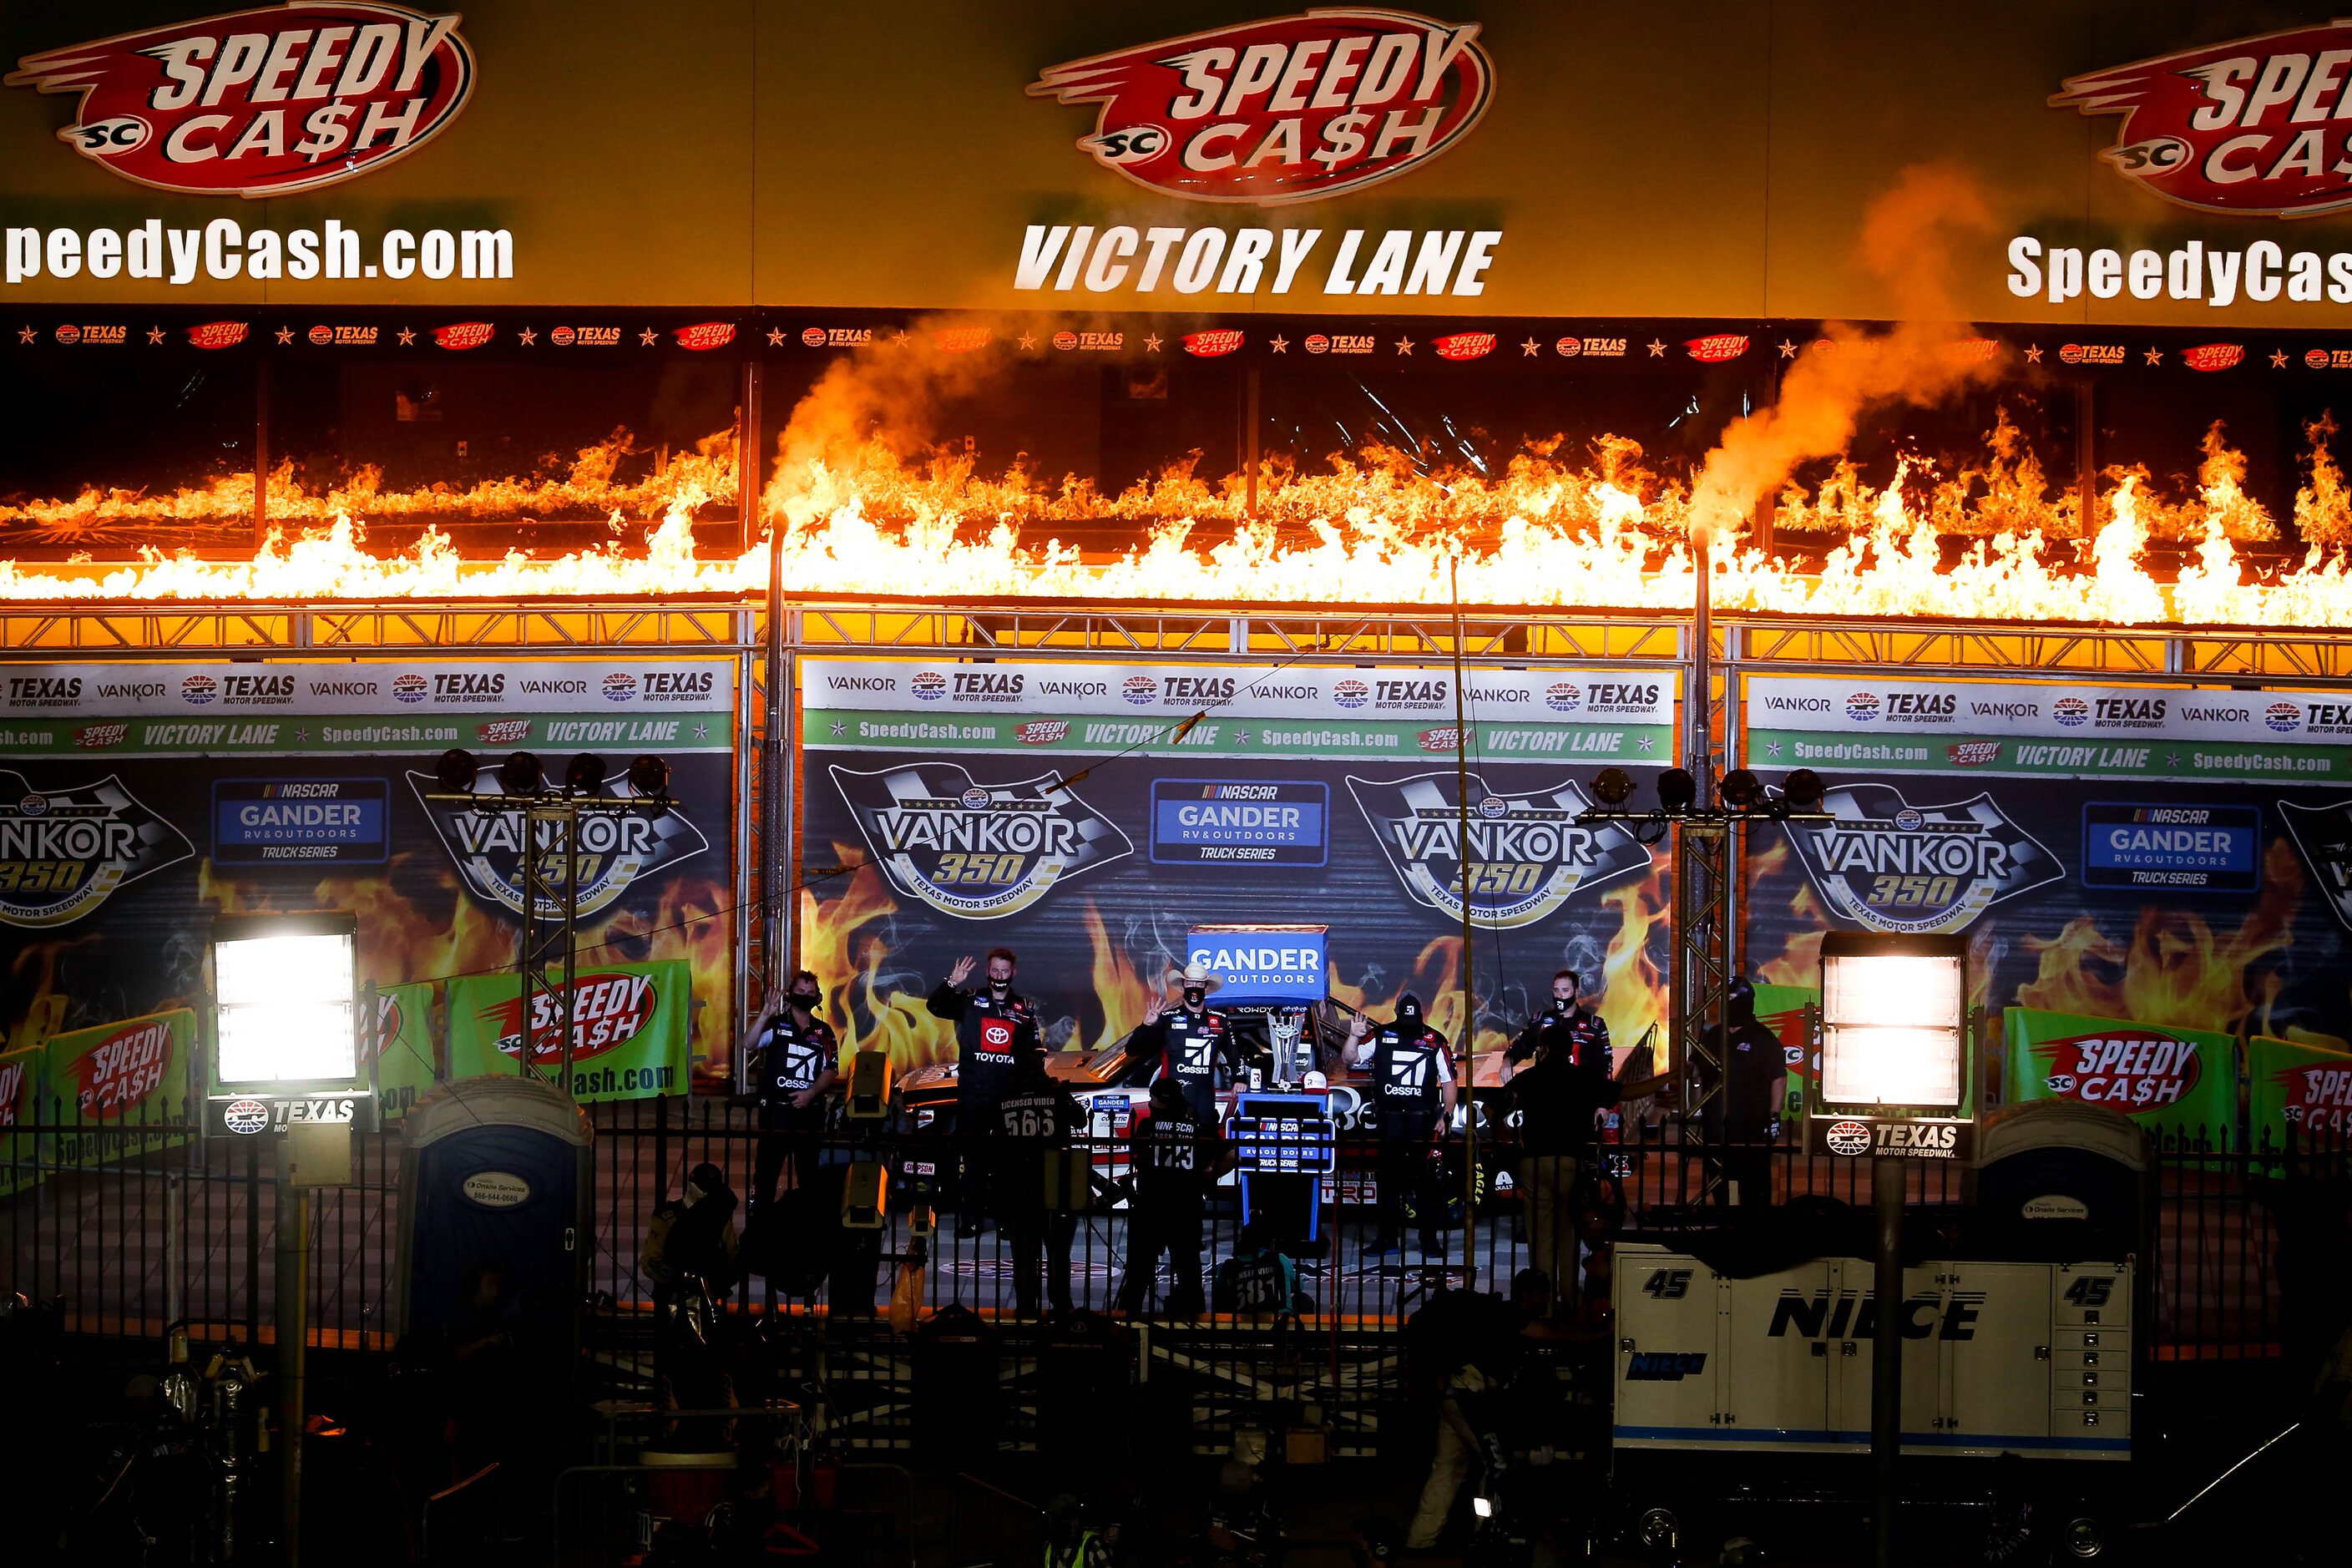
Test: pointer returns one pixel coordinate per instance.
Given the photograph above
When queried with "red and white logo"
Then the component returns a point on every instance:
(705, 335)
(960, 340)
(1973, 753)
(1041, 732)
(216, 334)
(464, 334)
(504, 731)
(2129, 1070)
(1290, 109)
(1971, 351)
(1848, 1137)
(1717, 347)
(1441, 740)
(260, 102)
(2213, 356)
(2319, 1099)
(996, 1033)
(1463, 345)
(1208, 345)
(96, 737)
(2235, 127)
(607, 1011)
(122, 1069)
(14, 1100)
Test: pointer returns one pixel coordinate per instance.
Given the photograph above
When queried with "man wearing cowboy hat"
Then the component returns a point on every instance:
(1190, 1040)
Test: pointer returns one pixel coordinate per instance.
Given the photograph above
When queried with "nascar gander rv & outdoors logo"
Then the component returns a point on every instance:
(260, 102)
(1291, 108)
(973, 850)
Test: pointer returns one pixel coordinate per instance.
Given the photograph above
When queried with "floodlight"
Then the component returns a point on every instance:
(585, 775)
(283, 990)
(1677, 790)
(1741, 790)
(521, 774)
(1894, 1022)
(456, 771)
(1612, 787)
(649, 776)
(1801, 789)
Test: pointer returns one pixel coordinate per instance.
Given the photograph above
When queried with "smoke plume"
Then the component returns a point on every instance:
(1907, 242)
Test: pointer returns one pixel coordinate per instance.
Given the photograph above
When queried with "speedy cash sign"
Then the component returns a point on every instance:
(1291, 108)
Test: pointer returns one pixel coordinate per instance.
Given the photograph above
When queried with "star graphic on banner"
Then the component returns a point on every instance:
(840, 727)
(1404, 345)
(1279, 344)
(900, 340)
(2034, 354)
(702, 732)
(25, 334)
(775, 337)
(1657, 349)
(301, 733)
(1646, 743)
(1788, 348)
(285, 335)
(1027, 341)
(648, 338)
(154, 334)
(1151, 344)
(2156, 356)
(526, 337)
(1529, 347)
(2278, 359)
(1241, 737)
(2172, 759)
(406, 337)
(1771, 748)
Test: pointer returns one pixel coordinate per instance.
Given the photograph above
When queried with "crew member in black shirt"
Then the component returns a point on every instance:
(1412, 1086)
(1173, 1156)
(795, 1062)
(996, 1029)
(1743, 1119)
(1036, 1117)
(1194, 1043)
(1587, 1031)
(1558, 1097)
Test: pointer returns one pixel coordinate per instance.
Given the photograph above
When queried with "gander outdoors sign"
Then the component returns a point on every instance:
(260, 102)
(629, 1027)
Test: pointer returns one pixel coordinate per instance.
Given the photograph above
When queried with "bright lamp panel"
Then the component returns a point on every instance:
(284, 1009)
(1892, 1026)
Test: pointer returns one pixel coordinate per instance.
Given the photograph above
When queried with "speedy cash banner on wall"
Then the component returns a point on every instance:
(629, 1027)
(2153, 860)
(138, 800)
(2152, 164)
(1090, 815)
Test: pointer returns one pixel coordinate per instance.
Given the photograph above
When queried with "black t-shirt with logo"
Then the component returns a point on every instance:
(1409, 1068)
(1193, 1049)
(792, 1058)
(1173, 1154)
(1019, 1129)
(1753, 1067)
(993, 1037)
(1585, 1036)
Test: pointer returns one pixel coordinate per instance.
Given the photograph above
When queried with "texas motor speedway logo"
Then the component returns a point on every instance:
(1889, 866)
(1527, 853)
(976, 851)
(64, 852)
(615, 848)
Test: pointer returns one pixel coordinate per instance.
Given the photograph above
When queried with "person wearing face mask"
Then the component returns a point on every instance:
(1194, 1045)
(1566, 1021)
(1413, 1085)
(996, 1031)
(796, 1063)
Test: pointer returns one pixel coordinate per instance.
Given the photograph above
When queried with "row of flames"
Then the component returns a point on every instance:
(1379, 528)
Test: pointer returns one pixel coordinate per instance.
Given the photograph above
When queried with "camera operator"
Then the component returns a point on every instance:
(996, 1030)
(1560, 1097)
(796, 1063)
(1413, 1084)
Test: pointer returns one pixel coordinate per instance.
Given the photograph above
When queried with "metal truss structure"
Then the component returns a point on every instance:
(1737, 644)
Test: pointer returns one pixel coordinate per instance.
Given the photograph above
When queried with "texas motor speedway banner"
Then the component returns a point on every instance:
(1089, 814)
(2160, 856)
(137, 800)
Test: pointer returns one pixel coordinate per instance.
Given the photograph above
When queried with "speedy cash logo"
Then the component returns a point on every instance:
(1463, 345)
(2213, 356)
(1289, 108)
(1041, 732)
(1212, 344)
(608, 1011)
(218, 334)
(2317, 1099)
(2127, 1070)
(122, 1070)
(462, 335)
(1973, 753)
(2249, 126)
(260, 102)
(1717, 347)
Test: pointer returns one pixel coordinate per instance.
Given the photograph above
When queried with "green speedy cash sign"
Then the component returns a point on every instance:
(21, 1086)
(403, 1063)
(111, 1086)
(630, 1024)
(2170, 1080)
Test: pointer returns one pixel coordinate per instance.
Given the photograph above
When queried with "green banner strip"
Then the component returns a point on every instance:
(630, 1029)
(110, 1083)
(1081, 734)
(1956, 755)
(363, 734)
(2168, 1080)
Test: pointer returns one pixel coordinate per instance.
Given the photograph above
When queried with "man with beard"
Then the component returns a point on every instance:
(996, 1031)
(1412, 1086)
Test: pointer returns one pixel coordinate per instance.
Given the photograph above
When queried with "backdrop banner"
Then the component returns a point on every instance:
(1089, 816)
(23, 1091)
(108, 1085)
(629, 1027)
(2171, 858)
(2182, 1083)
(2300, 1086)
